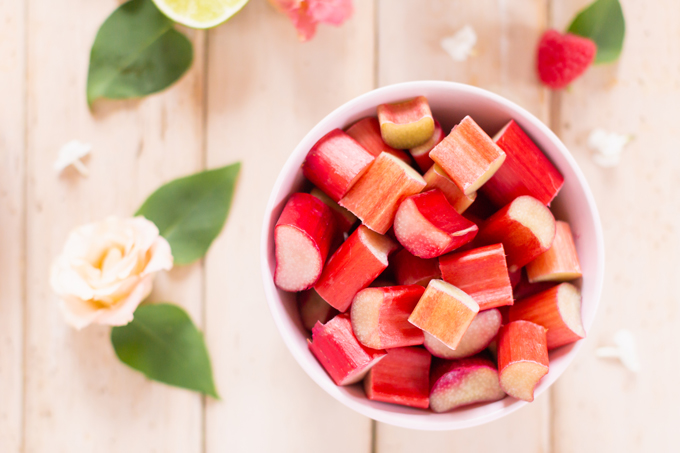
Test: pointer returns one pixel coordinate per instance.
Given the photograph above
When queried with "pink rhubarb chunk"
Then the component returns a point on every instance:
(428, 226)
(336, 348)
(302, 239)
(403, 377)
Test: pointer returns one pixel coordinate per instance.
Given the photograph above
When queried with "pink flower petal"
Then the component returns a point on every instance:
(333, 12)
(302, 21)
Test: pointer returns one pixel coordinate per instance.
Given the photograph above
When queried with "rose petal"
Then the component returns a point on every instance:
(107, 269)
(123, 312)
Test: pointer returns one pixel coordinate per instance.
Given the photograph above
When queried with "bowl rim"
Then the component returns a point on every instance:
(278, 311)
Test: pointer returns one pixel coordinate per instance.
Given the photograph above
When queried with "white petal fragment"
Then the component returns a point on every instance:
(70, 154)
(625, 350)
(607, 147)
(460, 45)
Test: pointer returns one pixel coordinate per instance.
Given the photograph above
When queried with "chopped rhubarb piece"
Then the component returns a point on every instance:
(436, 178)
(560, 262)
(558, 309)
(526, 170)
(366, 131)
(402, 377)
(335, 163)
(411, 270)
(525, 227)
(345, 220)
(482, 273)
(428, 226)
(380, 316)
(337, 349)
(477, 337)
(522, 358)
(524, 289)
(445, 312)
(358, 261)
(407, 124)
(314, 309)
(377, 195)
(302, 238)
(421, 154)
(468, 156)
(461, 382)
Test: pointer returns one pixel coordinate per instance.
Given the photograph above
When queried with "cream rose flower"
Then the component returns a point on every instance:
(106, 270)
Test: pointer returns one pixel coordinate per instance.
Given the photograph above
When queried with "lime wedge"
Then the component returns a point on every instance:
(200, 13)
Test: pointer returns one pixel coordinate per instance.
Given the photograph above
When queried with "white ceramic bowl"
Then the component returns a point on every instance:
(449, 102)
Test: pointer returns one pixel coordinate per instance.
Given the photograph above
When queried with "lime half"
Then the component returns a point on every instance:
(200, 13)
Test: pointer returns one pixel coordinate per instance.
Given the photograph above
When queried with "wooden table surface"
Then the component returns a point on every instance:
(251, 95)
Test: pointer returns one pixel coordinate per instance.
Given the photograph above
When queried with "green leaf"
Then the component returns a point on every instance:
(136, 52)
(602, 22)
(163, 343)
(190, 212)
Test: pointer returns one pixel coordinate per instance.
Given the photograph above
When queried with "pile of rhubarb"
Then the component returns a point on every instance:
(429, 266)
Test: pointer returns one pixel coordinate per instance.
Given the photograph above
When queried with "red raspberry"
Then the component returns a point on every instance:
(562, 58)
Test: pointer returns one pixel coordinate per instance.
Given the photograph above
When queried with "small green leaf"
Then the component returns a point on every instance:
(163, 343)
(136, 52)
(190, 212)
(602, 22)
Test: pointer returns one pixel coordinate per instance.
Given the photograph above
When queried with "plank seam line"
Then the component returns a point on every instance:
(24, 241)
(204, 166)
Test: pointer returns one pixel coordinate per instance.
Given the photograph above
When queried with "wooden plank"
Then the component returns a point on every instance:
(12, 238)
(409, 38)
(266, 90)
(599, 405)
(79, 397)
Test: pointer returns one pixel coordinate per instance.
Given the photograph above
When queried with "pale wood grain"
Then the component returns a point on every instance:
(79, 397)
(12, 210)
(507, 33)
(266, 90)
(409, 49)
(598, 404)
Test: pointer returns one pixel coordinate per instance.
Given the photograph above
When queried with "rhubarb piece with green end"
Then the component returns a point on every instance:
(428, 226)
(421, 154)
(558, 309)
(366, 131)
(377, 195)
(525, 227)
(411, 270)
(436, 178)
(314, 309)
(477, 337)
(302, 239)
(402, 377)
(335, 163)
(522, 358)
(445, 312)
(560, 262)
(358, 261)
(407, 124)
(526, 170)
(462, 382)
(468, 156)
(482, 273)
(380, 316)
(345, 220)
(337, 349)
